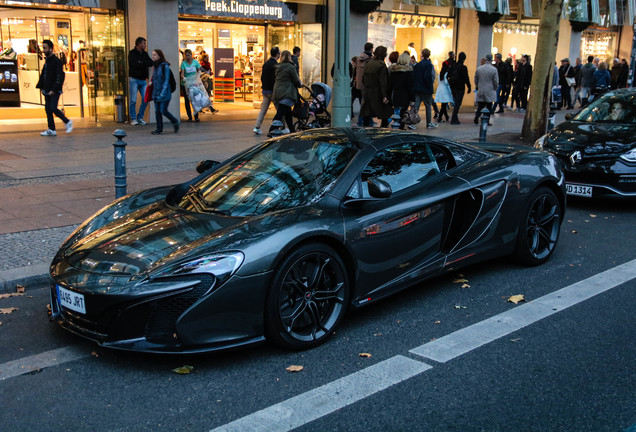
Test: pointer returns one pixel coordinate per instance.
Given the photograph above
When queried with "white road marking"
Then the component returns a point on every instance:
(476, 335)
(40, 361)
(306, 407)
(326, 399)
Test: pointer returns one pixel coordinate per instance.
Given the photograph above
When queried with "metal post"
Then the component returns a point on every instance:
(341, 87)
(120, 163)
(551, 119)
(485, 118)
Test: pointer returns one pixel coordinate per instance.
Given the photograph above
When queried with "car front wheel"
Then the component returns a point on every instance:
(307, 298)
(539, 230)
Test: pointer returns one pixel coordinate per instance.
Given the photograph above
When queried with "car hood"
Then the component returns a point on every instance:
(593, 139)
(146, 240)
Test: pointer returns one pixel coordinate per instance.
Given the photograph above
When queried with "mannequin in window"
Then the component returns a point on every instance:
(8, 53)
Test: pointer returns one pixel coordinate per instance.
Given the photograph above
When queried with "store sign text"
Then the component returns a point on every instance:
(248, 10)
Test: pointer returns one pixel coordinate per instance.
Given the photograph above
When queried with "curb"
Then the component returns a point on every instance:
(28, 275)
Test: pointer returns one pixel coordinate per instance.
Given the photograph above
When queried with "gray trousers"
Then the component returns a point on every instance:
(267, 99)
(428, 103)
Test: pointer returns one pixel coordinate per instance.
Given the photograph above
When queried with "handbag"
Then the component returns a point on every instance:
(571, 81)
(410, 117)
(148, 94)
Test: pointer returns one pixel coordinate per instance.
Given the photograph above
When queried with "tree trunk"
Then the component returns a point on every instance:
(535, 121)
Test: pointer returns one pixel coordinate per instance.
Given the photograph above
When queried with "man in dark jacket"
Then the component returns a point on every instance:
(458, 80)
(268, 76)
(505, 80)
(363, 59)
(587, 80)
(295, 56)
(50, 83)
(423, 80)
(138, 63)
(566, 71)
(524, 78)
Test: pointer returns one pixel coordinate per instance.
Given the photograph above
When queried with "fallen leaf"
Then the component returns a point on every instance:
(575, 232)
(462, 280)
(592, 215)
(185, 369)
(515, 340)
(377, 334)
(438, 322)
(6, 311)
(465, 285)
(294, 368)
(94, 354)
(4, 296)
(367, 355)
(459, 307)
(19, 288)
(516, 299)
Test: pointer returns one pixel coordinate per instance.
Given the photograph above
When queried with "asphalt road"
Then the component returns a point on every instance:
(572, 370)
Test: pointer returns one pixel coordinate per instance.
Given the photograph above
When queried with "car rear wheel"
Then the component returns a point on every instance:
(539, 230)
(307, 298)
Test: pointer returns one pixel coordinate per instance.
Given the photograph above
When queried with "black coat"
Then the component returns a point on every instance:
(138, 64)
(464, 80)
(401, 85)
(268, 75)
(52, 76)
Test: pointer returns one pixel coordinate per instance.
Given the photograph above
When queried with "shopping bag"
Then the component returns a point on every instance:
(148, 95)
(197, 94)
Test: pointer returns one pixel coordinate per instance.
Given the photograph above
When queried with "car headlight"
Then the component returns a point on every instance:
(222, 265)
(630, 156)
(538, 144)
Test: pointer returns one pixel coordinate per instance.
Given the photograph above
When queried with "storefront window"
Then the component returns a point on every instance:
(397, 30)
(599, 43)
(514, 39)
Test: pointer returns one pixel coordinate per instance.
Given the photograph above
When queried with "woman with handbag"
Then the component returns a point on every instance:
(161, 91)
(444, 95)
(401, 85)
(285, 93)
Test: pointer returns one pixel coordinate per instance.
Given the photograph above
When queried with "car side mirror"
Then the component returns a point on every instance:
(205, 165)
(378, 188)
(569, 116)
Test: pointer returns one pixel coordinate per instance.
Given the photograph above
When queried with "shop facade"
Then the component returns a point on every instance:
(89, 39)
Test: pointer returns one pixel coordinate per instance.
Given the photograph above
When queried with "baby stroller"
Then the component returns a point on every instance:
(312, 113)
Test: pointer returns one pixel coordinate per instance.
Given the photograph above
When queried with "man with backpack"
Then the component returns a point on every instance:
(50, 83)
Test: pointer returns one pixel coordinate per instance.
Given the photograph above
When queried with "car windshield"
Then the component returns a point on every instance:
(612, 107)
(277, 175)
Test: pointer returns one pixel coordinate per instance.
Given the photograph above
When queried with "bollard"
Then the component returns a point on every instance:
(551, 119)
(120, 163)
(485, 119)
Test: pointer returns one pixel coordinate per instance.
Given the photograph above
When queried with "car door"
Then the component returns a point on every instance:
(397, 240)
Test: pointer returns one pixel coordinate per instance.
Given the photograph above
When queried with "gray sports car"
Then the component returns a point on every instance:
(280, 240)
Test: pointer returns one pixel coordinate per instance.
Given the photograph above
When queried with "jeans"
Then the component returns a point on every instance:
(428, 103)
(137, 85)
(161, 109)
(267, 99)
(50, 107)
(499, 102)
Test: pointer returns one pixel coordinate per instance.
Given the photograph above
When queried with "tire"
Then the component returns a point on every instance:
(307, 298)
(539, 228)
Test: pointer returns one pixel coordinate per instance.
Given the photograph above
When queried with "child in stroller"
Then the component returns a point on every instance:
(312, 113)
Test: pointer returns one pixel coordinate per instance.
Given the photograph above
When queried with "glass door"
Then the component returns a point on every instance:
(105, 61)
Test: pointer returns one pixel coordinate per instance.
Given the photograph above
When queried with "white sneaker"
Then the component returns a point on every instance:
(141, 122)
(133, 122)
(257, 131)
(431, 126)
(49, 132)
(412, 127)
(69, 126)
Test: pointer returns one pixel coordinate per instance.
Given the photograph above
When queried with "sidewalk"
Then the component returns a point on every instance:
(48, 185)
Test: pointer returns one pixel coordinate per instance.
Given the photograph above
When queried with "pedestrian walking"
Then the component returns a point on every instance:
(624, 76)
(615, 74)
(516, 88)
(423, 80)
(268, 76)
(401, 85)
(376, 101)
(189, 71)
(161, 91)
(566, 81)
(363, 59)
(285, 92)
(577, 82)
(525, 76)
(486, 83)
(458, 80)
(443, 95)
(587, 80)
(295, 57)
(138, 63)
(510, 77)
(50, 83)
(505, 80)
(602, 79)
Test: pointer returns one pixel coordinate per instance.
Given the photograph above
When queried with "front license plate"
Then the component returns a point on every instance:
(578, 190)
(71, 300)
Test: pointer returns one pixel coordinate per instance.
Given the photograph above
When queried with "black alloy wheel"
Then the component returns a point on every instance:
(539, 229)
(308, 297)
